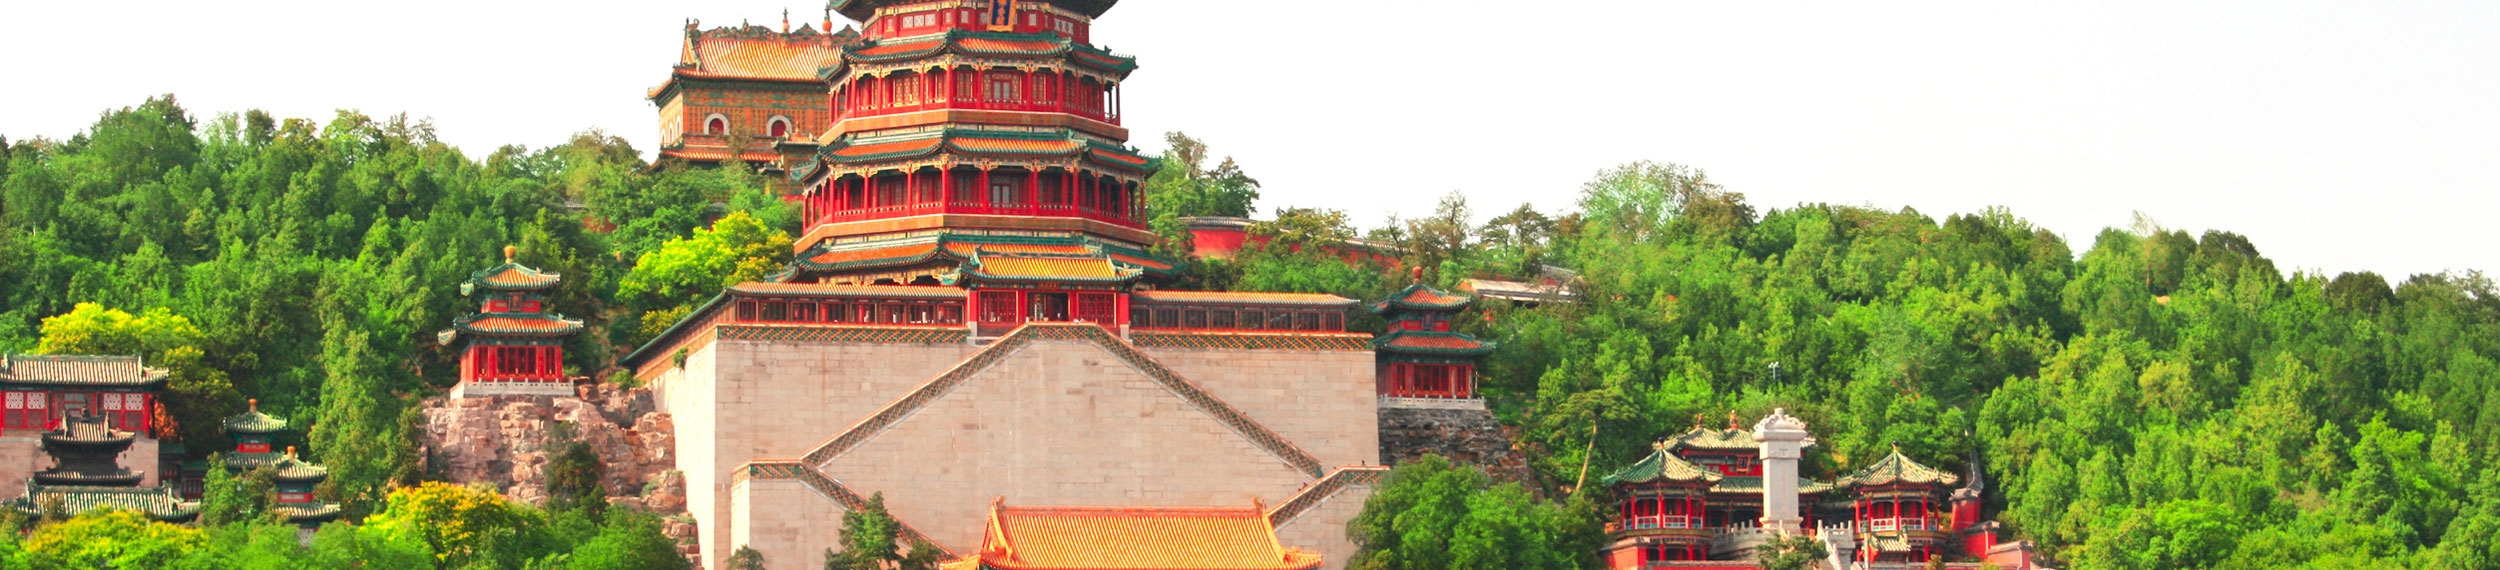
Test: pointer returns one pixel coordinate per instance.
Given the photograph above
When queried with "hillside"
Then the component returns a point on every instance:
(2157, 400)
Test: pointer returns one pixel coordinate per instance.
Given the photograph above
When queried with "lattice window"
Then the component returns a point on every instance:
(1253, 320)
(1005, 88)
(27, 410)
(1222, 319)
(1096, 307)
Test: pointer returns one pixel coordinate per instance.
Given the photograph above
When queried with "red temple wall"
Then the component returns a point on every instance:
(750, 108)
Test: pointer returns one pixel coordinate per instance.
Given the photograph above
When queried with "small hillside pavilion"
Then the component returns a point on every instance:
(512, 345)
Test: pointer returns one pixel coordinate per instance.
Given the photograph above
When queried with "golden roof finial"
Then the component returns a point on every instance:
(254, 403)
(1732, 421)
(290, 451)
(508, 252)
(785, 20)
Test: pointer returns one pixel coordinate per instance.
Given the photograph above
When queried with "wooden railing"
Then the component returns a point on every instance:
(974, 208)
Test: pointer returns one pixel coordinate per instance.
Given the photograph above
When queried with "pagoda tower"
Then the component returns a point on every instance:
(978, 145)
(86, 453)
(512, 345)
(1422, 360)
(291, 478)
(87, 474)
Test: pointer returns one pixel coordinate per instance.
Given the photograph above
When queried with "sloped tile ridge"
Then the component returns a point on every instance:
(831, 489)
(1026, 335)
(1322, 490)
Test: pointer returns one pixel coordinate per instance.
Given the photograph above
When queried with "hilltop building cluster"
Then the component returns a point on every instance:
(976, 328)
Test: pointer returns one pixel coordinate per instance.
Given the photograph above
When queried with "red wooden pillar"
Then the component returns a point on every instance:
(946, 184)
(911, 185)
(1032, 187)
(984, 191)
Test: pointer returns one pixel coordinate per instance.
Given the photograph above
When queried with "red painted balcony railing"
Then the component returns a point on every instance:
(972, 208)
(1085, 111)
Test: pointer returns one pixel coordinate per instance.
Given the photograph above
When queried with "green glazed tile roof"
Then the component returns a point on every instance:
(1661, 466)
(77, 370)
(241, 460)
(292, 469)
(1717, 439)
(1752, 485)
(253, 421)
(157, 502)
(307, 513)
(1897, 468)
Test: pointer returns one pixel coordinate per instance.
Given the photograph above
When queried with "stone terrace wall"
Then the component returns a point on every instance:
(738, 401)
(1058, 423)
(502, 441)
(1321, 400)
(1322, 528)
(1466, 436)
(784, 520)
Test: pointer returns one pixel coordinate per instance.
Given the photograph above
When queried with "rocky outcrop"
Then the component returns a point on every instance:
(502, 441)
(1466, 436)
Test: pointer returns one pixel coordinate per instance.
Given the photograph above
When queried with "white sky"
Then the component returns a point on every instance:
(2336, 135)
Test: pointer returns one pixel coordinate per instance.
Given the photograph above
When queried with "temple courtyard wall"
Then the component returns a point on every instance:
(1050, 422)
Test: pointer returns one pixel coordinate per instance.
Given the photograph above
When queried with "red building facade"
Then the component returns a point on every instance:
(748, 93)
(1697, 501)
(513, 344)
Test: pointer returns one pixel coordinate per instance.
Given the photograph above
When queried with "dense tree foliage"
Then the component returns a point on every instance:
(2162, 400)
(873, 540)
(424, 527)
(308, 264)
(1430, 514)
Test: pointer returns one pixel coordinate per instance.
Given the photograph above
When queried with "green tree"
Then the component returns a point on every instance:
(745, 559)
(873, 540)
(229, 498)
(197, 395)
(1790, 552)
(1430, 513)
(671, 280)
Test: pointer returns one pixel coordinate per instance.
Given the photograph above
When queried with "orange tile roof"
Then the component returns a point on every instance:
(518, 276)
(851, 255)
(760, 59)
(1019, 248)
(819, 289)
(1121, 158)
(1232, 297)
(1435, 341)
(716, 155)
(521, 324)
(1014, 145)
(875, 149)
(883, 49)
(1135, 538)
(1050, 267)
(1427, 296)
(1147, 262)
